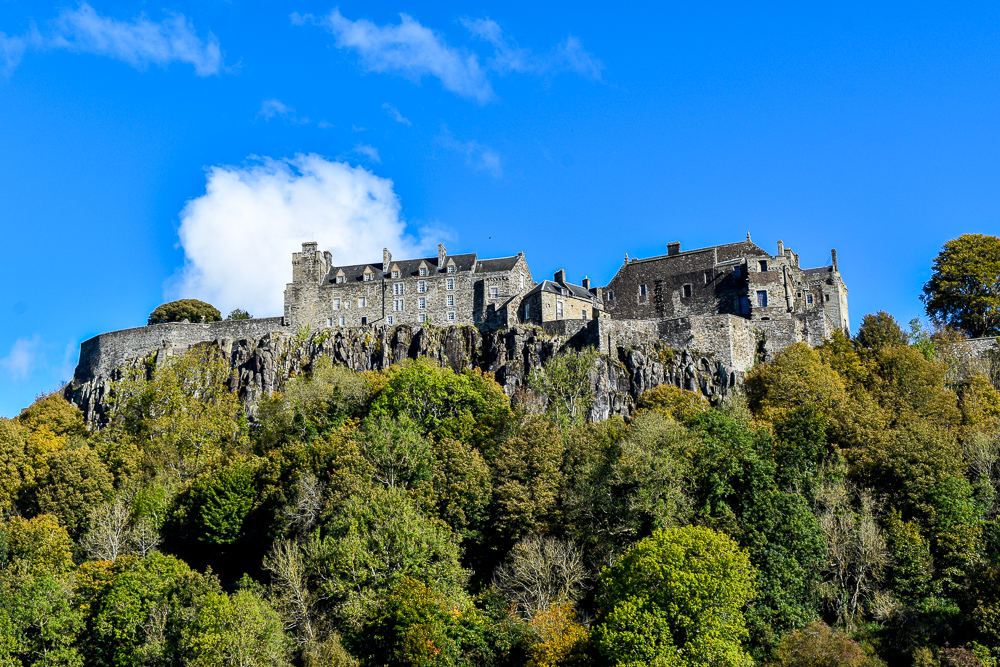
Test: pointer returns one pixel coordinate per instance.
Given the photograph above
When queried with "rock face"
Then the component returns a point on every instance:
(262, 364)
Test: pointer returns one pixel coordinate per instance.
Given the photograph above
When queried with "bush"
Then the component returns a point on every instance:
(239, 314)
(191, 310)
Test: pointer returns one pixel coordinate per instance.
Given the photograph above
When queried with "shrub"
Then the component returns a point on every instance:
(191, 310)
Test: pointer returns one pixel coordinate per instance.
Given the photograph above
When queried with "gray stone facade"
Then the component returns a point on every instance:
(447, 290)
(736, 300)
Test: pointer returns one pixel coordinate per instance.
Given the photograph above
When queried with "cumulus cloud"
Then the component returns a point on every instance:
(396, 116)
(414, 51)
(22, 358)
(139, 42)
(369, 152)
(238, 237)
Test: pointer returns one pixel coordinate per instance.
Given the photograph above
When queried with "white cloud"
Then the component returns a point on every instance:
(369, 152)
(68, 367)
(238, 237)
(275, 107)
(409, 50)
(568, 56)
(22, 358)
(477, 155)
(139, 42)
(396, 116)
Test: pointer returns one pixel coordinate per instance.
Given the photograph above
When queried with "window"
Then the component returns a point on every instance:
(329, 321)
(397, 288)
(611, 295)
(826, 297)
(763, 266)
(336, 304)
(708, 277)
(347, 305)
(583, 314)
(422, 317)
(687, 291)
(762, 298)
(421, 302)
(559, 310)
(809, 299)
(421, 285)
(450, 301)
(494, 292)
(364, 321)
(395, 273)
(451, 315)
(340, 279)
(389, 319)
(363, 302)
(642, 290)
(451, 283)
(423, 272)
(744, 305)
(451, 268)
(397, 305)
(343, 321)
(368, 277)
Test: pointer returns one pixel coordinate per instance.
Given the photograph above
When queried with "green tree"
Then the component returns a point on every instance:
(239, 314)
(795, 377)
(964, 289)
(191, 310)
(54, 413)
(878, 331)
(676, 598)
(238, 630)
(37, 546)
(819, 645)
(72, 484)
(565, 381)
(374, 540)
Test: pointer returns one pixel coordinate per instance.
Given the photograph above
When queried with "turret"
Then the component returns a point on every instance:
(386, 261)
(442, 253)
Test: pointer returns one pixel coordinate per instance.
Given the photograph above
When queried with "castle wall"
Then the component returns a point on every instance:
(101, 354)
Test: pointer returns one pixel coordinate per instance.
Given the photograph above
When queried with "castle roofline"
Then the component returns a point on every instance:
(553, 287)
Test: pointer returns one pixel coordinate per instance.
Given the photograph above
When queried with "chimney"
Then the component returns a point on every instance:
(833, 253)
(674, 248)
(561, 277)
(442, 253)
(781, 248)
(586, 283)
(386, 260)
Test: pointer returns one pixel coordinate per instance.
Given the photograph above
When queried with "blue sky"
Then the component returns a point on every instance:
(153, 151)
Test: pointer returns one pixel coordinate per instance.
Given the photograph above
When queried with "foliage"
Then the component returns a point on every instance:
(676, 403)
(191, 310)
(676, 598)
(964, 289)
(819, 645)
(879, 331)
(565, 381)
(541, 572)
(53, 413)
(239, 314)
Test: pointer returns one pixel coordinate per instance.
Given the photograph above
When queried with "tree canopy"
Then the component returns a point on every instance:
(191, 310)
(964, 289)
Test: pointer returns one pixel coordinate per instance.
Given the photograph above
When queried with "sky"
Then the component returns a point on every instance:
(185, 149)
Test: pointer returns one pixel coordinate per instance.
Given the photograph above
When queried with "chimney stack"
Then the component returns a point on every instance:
(386, 260)
(561, 276)
(781, 248)
(674, 248)
(586, 283)
(442, 253)
(833, 253)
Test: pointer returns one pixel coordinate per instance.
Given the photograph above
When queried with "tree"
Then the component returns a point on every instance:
(239, 314)
(964, 289)
(878, 331)
(238, 630)
(74, 483)
(819, 645)
(54, 413)
(541, 572)
(565, 381)
(795, 377)
(191, 310)
(676, 598)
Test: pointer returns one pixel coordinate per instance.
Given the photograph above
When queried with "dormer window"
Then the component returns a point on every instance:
(395, 273)
(340, 279)
(451, 268)
(423, 270)
(368, 274)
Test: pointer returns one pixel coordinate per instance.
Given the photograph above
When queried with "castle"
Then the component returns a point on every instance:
(735, 301)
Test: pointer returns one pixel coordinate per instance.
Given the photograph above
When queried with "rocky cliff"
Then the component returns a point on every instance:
(263, 363)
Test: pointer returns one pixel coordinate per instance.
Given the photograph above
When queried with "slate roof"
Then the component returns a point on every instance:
(556, 288)
(407, 267)
(821, 269)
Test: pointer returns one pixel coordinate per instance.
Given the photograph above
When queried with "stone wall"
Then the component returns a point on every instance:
(263, 363)
(100, 355)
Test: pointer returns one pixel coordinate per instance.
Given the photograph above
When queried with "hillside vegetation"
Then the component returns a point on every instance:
(842, 511)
